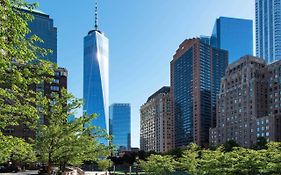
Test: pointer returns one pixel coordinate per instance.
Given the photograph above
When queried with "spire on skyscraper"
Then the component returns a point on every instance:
(96, 16)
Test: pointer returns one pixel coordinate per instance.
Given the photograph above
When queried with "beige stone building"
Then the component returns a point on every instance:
(156, 123)
(249, 103)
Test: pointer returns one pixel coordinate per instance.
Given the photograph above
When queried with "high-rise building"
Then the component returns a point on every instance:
(241, 100)
(95, 78)
(249, 104)
(120, 125)
(234, 35)
(43, 27)
(268, 29)
(196, 70)
(156, 122)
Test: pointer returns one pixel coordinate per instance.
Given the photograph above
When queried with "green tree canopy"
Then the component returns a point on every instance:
(20, 70)
(158, 165)
(60, 142)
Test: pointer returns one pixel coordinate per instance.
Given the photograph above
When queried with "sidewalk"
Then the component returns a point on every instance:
(22, 173)
(96, 173)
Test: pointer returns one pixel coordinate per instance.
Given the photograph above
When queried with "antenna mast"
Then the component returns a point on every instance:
(96, 16)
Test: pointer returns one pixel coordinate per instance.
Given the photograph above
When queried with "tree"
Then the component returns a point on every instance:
(67, 143)
(104, 164)
(189, 161)
(20, 69)
(158, 165)
(246, 161)
(229, 145)
(176, 152)
(261, 143)
(271, 157)
(15, 149)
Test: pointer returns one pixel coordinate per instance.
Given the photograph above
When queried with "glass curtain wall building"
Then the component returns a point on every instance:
(196, 70)
(268, 29)
(43, 26)
(95, 79)
(234, 35)
(120, 125)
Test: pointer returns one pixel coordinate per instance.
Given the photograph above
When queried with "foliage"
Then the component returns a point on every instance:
(240, 161)
(189, 160)
(67, 143)
(176, 152)
(104, 164)
(15, 149)
(261, 143)
(158, 165)
(229, 145)
(20, 69)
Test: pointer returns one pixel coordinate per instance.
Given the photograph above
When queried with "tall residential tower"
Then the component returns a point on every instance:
(95, 78)
(268, 29)
(196, 71)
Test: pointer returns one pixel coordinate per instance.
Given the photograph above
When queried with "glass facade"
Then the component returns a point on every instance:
(120, 125)
(183, 99)
(43, 27)
(268, 29)
(234, 35)
(95, 82)
(197, 69)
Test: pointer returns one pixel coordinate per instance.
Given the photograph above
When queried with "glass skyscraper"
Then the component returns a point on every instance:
(120, 125)
(234, 35)
(43, 26)
(196, 71)
(268, 29)
(95, 79)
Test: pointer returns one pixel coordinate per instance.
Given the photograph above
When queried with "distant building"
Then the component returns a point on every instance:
(268, 29)
(43, 27)
(196, 70)
(120, 125)
(234, 35)
(95, 78)
(156, 122)
(249, 104)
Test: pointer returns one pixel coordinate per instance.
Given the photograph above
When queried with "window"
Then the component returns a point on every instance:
(56, 81)
(55, 88)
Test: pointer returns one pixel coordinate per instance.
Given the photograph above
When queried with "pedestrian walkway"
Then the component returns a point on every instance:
(96, 173)
(22, 173)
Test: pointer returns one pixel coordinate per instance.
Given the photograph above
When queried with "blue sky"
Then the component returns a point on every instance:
(143, 35)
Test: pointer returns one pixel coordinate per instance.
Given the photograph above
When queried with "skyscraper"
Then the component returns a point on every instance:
(234, 35)
(157, 122)
(120, 125)
(196, 70)
(95, 77)
(268, 29)
(43, 26)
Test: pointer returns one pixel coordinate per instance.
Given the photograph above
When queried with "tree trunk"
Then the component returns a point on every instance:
(49, 164)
